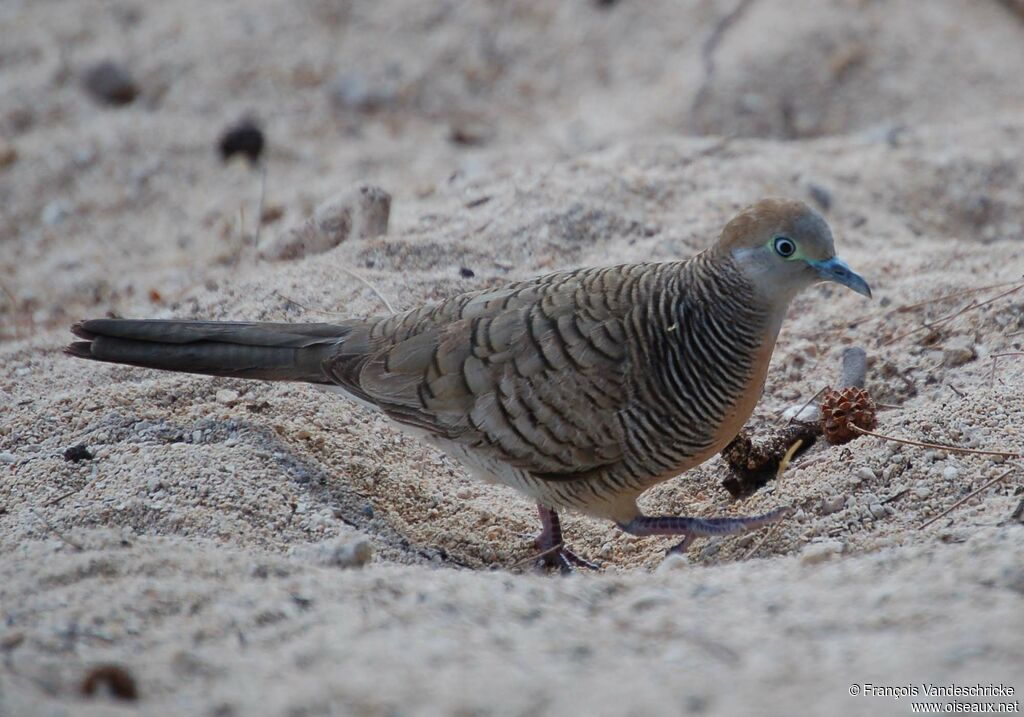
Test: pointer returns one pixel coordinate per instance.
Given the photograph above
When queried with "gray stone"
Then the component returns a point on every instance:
(346, 552)
(110, 83)
(958, 351)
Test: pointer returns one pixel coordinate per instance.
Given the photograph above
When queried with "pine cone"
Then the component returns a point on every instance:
(840, 410)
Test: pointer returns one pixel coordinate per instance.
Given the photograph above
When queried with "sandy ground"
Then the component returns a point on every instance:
(203, 546)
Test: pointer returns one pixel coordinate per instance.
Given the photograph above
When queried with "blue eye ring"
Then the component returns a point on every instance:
(784, 247)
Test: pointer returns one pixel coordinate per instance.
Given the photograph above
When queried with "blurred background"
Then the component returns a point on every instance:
(111, 112)
(248, 548)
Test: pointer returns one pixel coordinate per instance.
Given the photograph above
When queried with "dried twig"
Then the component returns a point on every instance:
(949, 317)
(967, 497)
(67, 494)
(537, 556)
(765, 534)
(371, 287)
(355, 276)
(805, 404)
(905, 308)
(938, 446)
(784, 463)
(56, 532)
(302, 306)
(895, 497)
(992, 376)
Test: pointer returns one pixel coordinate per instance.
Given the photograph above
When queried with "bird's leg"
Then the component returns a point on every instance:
(691, 528)
(553, 551)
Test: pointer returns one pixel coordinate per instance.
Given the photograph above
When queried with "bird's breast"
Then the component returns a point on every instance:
(743, 406)
(704, 376)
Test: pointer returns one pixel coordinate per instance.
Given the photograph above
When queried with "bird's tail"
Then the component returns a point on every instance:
(268, 351)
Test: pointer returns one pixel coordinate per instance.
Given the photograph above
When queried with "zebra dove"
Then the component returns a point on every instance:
(582, 389)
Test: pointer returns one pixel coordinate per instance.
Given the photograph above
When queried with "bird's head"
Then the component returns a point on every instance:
(783, 246)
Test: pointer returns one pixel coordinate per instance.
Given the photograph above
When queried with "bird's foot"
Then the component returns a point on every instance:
(693, 528)
(553, 551)
(560, 557)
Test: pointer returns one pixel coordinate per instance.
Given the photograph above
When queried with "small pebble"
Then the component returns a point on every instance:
(271, 213)
(877, 510)
(673, 562)
(958, 351)
(8, 458)
(470, 131)
(466, 273)
(922, 491)
(340, 553)
(227, 397)
(8, 155)
(865, 474)
(806, 412)
(11, 641)
(54, 213)
(110, 83)
(78, 453)
(950, 473)
(245, 138)
(820, 552)
(833, 504)
(355, 91)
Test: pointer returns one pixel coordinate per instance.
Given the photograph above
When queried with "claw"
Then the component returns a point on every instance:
(561, 557)
(554, 553)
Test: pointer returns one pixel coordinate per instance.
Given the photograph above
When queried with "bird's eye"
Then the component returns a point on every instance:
(784, 247)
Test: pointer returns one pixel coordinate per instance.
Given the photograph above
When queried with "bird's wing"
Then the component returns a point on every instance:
(533, 374)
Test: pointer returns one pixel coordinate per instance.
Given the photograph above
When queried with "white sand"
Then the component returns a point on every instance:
(203, 523)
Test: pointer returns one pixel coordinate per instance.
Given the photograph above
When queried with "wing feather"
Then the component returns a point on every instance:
(534, 374)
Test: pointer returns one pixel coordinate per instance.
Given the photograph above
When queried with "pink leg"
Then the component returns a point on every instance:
(555, 554)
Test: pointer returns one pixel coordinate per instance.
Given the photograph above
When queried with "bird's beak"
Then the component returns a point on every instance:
(835, 269)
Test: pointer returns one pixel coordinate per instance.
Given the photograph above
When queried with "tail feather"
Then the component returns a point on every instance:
(257, 350)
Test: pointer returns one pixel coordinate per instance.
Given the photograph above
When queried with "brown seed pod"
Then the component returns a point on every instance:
(843, 409)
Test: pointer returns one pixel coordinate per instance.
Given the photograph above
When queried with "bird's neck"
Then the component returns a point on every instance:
(761, 293)
(737, 296)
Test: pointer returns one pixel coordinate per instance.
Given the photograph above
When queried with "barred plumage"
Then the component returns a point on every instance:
(582, 389)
